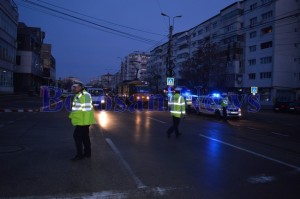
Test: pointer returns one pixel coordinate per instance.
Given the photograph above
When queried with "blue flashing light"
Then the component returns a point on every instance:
(186, 94)
(217, 95)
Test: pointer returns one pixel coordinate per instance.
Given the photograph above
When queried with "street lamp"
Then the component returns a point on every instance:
(169, 72)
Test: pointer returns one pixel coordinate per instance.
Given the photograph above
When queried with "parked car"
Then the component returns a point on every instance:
(211, 105)
(280, 106)
(294, 107)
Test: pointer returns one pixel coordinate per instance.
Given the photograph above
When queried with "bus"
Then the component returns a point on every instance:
(135, 90)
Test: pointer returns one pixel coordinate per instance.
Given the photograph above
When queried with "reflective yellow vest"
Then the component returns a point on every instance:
(225, 102)
(177, 105)
(82, 110)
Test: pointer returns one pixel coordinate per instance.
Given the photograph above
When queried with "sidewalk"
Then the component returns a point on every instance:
(20, 102)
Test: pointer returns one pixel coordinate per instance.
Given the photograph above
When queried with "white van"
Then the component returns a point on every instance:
(211, 105)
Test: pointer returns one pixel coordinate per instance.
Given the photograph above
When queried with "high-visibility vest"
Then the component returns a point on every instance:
(225, 102)
(82, 110)
(177, 105)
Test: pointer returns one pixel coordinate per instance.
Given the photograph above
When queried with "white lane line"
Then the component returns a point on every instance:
(137, 181)
(149, 191)
(252, 152)
(157, 120)
(281, 134)
(251, 128)
(94, 195)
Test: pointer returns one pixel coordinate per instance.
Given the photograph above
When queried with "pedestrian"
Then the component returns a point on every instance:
(224, 105)
(82, 116)
(177, 110)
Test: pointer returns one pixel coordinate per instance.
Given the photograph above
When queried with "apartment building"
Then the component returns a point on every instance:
(257, 43)
(135, 66)
(8, 48)
(272, 48)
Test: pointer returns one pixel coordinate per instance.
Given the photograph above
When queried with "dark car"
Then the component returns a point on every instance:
(281, 106)
(294, 107)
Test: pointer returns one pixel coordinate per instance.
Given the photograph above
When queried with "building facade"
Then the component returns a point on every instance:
(29, 71)
(49, 65)
(258, 44)
(134, 66)
(272, 48)
(8, 47)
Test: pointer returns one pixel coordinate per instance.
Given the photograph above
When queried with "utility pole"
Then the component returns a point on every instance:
(170, 65)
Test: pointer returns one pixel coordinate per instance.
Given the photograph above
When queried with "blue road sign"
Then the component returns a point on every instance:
(170, 81)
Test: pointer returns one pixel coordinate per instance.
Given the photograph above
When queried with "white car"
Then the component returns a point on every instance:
(98, 96)
(211, 105)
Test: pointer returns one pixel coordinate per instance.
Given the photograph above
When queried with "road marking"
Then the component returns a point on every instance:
(253, 128)
(261, 179)
(137, 181)
(149, 191)
(281, 134)
(157, 120)
(252, 152)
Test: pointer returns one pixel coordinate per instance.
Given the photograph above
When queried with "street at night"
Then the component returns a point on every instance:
(256, 156)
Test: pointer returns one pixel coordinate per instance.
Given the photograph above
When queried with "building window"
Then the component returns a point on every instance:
(252, 62)
(6, 78)
(266, 30)
(267, 15)
(266, 75)
(18, 60)
(229, 28)
(266, 45)
(266, 1)
(253, 6)
(252, 48)
(252, 76)
(253, 21)
(207, 28)
(200, 32)
(266, 60)
(215, 25)
(252, 34)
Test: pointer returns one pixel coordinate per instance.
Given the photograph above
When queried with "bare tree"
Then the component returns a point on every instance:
(154, 78)
(204, 68)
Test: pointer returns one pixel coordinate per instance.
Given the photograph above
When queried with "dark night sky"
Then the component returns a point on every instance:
(88, 36)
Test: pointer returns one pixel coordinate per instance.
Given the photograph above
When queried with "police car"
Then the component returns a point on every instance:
(211, 105)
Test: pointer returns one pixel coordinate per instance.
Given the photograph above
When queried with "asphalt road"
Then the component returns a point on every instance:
(255, 157)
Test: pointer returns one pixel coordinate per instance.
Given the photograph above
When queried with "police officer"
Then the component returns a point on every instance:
(224, 105)
(82, 116)
(177, 110)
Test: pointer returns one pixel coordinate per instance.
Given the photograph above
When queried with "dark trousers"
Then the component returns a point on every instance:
(82, 140)
(224, 113)
(174, 127)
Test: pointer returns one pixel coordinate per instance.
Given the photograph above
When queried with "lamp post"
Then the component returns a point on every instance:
(170, 67)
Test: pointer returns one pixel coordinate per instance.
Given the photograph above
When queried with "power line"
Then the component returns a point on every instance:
(109, 22)
(84, 24)
(120, 33)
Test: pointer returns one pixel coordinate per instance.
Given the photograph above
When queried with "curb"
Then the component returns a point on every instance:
(18, 110)
(26, 110)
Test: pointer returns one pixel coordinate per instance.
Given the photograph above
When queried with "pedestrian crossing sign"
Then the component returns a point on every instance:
(254, 90)
(170, 81)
